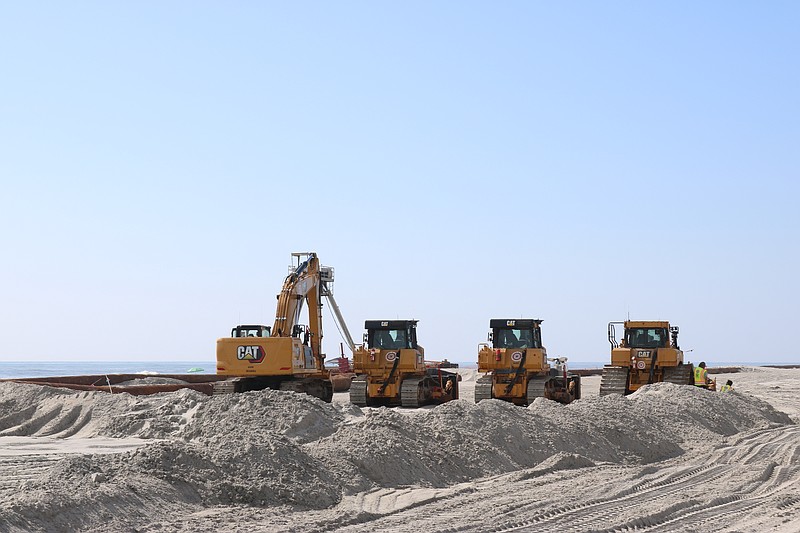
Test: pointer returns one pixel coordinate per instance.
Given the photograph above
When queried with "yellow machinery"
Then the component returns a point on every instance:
(289, 355)
(518, 366)
(648, 353)
(390, 368)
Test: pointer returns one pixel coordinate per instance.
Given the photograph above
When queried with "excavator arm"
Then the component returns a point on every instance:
(307, 283)
(301, 286)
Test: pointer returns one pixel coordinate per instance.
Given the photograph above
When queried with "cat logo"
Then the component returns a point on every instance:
(644, 353)
(251, 354)
(510, 322)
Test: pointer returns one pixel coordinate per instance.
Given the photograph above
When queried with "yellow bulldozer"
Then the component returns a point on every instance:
(390, 369)
(287, 356)
(518, 368)
(647, 353)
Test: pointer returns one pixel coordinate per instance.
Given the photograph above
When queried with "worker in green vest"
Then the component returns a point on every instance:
(728, 387)
(701, 376)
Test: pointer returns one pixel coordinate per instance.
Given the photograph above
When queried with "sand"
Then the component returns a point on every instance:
(667, 458)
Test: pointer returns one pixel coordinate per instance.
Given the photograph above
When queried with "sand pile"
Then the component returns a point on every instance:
(31, 410)
(460, 440)
(467, 374)
(272, 448)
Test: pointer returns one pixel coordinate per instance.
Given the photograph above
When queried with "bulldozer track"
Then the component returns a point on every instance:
(410, 392)
(358, 392)
(536, 389)
(614, 380)
(483, 388)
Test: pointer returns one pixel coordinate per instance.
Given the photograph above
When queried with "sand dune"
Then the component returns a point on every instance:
(667, 458)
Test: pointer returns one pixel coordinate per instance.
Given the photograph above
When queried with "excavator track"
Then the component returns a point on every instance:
(483, 388)
(614, 380)
(227, 386)
(679, 375)
(411, 392)
(536, 389)
(318, 388)
(358, 392)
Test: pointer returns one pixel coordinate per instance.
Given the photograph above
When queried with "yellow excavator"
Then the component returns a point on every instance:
(648, 353)
(518, 368)
(287, 356)
(390, 369)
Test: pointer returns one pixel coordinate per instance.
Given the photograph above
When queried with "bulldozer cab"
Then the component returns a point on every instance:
(391, 334)
(251, 331)
(515, 333)
(646, 337)
(644, 334)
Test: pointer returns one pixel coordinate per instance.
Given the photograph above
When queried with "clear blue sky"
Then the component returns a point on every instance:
(454, 161)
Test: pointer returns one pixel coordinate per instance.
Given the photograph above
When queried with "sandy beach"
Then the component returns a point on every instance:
(668, 458)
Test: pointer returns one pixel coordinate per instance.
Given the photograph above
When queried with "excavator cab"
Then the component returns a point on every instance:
(251, 331)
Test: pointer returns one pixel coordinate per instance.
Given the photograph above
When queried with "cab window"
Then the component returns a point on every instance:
(389, 339)
(646, 338)
(251, 332)
(516, 338)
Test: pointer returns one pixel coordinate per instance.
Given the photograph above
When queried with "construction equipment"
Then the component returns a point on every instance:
(289, 355)
(342, 373)
(518, 368)
(444, 363)
(390, 369)
(648, 353)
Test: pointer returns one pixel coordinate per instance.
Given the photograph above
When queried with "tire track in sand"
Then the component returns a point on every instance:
(768, 486)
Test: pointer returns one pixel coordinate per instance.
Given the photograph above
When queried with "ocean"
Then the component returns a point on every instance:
(28, 369)
(36, 369)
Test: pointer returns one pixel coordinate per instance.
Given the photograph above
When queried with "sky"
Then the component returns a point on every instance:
(455, 161)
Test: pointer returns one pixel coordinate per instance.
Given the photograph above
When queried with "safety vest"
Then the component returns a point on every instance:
(726, 388)
(700, 376)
